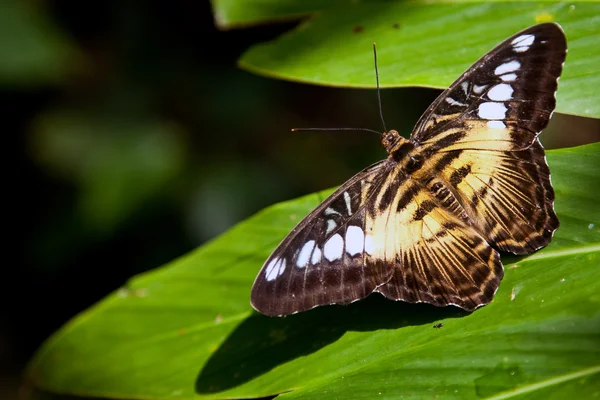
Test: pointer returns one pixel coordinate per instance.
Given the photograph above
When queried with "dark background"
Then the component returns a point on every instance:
(132, 138)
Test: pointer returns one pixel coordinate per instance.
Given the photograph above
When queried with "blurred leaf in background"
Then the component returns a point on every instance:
(117, 165)
(33, 49)
(132, 138)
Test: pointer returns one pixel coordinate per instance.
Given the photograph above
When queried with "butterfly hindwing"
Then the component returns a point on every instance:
(437, 257)
(507, 195)
(325, 259)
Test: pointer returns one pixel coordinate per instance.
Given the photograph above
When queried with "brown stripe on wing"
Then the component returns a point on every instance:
(507, 195)
(440, 259)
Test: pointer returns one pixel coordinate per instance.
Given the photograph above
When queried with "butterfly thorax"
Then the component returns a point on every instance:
(402, 151)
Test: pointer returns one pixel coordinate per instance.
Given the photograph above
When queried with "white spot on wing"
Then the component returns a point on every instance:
(275, 268)
(334, 247)
(465, 87)
(331, 211)
(509, 77)
(501, 92)
(269, 275)
(316, 256)
(522, 43)
(453, 102)
(523, 40)
(507, 67)
(491, 110)
(281, 267)
(478, 89)
(330, 226)
(355, 240)
(520, 49)
(348, 202)
(305, 253)
(496, 124)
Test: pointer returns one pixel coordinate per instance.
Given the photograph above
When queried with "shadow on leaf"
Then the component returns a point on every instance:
(261, 343)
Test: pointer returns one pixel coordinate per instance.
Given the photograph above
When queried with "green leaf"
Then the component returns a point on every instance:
(117, 163)
(230, 14)
(33, 51)
(418, 43)
(186, 330)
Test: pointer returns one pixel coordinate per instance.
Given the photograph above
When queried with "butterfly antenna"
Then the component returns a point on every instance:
(335, 129)
(378, 88)
(378, 102)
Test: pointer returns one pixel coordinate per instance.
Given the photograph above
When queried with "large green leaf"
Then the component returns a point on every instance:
(187, 330)
(420, 43)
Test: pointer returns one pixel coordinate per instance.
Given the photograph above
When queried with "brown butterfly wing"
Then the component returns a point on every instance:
(479, 142)
(480, 136)
(504, 100)
(508, 196)
(326, 258)
(440, 259)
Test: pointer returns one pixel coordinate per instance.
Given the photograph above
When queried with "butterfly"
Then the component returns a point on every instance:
(427, 223)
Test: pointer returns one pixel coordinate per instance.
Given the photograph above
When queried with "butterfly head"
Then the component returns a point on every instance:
(392, 141)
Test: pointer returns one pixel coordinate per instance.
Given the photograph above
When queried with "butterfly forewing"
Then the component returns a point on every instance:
(327, 258)
(424, 224)
(504, 100)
